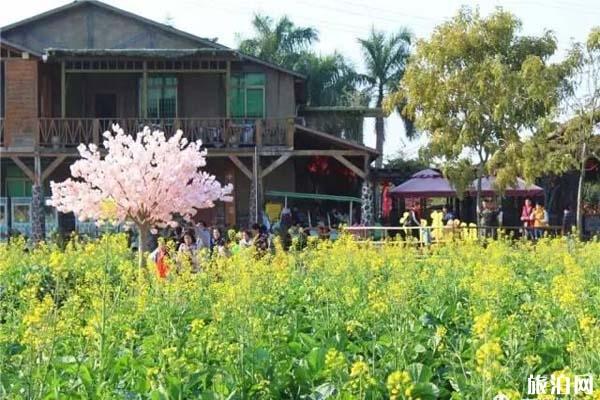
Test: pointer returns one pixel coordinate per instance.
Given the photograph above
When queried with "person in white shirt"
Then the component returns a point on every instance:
(203, 236)
(187, 250)
(246, 240)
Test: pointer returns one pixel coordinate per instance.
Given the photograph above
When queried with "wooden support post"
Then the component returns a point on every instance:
(275, 164)
(258, 128)
(63, 91)
(230, 206)
(290, 129)
(228, 90)
(238, 163)
(144, 104)
(253, 200)
(96, 132)
(37, 169)
(344, 161)
(53, 165)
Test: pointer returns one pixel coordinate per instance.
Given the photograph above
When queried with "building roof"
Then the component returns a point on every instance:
(203, 42)
(139, 53)
(19, 47)
(339, 141)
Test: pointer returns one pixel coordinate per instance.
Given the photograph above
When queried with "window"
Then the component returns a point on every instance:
(162, 97)
(247, 94)
(17, 183)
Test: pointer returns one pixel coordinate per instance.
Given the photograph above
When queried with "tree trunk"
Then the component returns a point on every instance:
(478, 199)
(478, 194)
(379, 140)
(580, 191)
(37, 214)
(379, 130)
(143, 231)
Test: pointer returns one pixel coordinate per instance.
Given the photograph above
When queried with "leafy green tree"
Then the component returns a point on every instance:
(280, 42)
(385, 58)
(561, 147)
(405, 167)
(331, 79)
(475, 85)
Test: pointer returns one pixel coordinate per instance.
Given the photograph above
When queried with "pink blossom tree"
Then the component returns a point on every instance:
(146, 180)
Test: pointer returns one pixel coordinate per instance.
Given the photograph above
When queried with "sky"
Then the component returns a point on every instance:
(340, 23)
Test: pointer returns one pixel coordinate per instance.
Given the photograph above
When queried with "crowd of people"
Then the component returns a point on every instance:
(192, 244)
(534, 219)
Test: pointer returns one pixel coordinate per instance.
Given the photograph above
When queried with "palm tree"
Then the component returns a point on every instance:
(331, 79)
(385, 58)
(280, 42)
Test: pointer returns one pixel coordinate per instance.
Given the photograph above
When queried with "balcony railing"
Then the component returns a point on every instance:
(60, 133)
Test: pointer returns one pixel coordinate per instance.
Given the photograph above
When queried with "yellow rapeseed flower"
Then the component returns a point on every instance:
(586, 324)
(397, 384)
(335, 361)
(359, 368)
(483, 324)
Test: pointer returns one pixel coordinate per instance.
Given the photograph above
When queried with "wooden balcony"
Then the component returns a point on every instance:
(68, 133)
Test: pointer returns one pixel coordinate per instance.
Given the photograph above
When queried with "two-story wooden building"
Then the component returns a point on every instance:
(68, 74)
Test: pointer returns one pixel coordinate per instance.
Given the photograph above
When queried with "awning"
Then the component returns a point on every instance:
(425, 183)
(312, 196)
(521, 189)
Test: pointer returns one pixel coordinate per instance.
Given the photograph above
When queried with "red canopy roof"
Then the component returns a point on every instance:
(425, 183)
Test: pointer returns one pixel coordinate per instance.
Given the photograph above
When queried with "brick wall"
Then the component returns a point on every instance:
(21, 77)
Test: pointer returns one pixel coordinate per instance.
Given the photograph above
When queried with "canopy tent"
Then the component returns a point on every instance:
(314, 196)
(425, 183)
(521, 189)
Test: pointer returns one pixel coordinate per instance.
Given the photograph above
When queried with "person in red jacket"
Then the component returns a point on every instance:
(527, 218)
(159, 257)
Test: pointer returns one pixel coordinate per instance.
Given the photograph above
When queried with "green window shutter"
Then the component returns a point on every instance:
(15, 188)
(247, 95)
(255, 102)
(237, 102)
(162, 97)
(168, 106)
(18, 187)
(153, 101)
(236, 96)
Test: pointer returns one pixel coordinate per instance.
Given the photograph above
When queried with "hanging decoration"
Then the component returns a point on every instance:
(319, 165)
(386, 202)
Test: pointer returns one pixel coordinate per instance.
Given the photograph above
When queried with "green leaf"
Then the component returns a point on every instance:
(307, 340)
(173, 387)
(295, 348)
(425, 391)
(419, 348)
(419, 373)
(316, 359)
